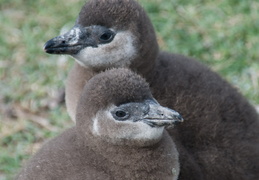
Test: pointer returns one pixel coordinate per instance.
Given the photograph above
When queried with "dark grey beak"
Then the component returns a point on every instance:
(70, 43)
(161, 116)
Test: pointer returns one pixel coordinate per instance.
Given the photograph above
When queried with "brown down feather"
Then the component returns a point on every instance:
(220, 137)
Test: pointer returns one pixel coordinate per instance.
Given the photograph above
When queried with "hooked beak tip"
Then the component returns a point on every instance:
(48, 44)
(179, 117)
(44, 47)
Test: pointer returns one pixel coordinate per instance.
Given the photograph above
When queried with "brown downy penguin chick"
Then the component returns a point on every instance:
(119, 134)
(220, 137)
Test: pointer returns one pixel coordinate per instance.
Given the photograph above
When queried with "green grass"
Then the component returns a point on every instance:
(222, 34)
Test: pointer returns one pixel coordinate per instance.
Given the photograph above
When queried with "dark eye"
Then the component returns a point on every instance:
(106, 37)
(120, 114)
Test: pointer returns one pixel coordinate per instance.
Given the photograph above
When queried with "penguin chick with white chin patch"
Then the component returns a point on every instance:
(119, 134)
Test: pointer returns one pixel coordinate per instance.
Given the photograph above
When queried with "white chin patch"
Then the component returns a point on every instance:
(118, 53)
(147, 132)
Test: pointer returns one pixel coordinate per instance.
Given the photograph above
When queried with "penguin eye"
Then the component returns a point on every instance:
(120, 114)
(106, 37)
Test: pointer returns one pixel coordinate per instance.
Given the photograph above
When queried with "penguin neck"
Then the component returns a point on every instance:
(146, 61)
(137, 159)
(145, 64)
(101, 143)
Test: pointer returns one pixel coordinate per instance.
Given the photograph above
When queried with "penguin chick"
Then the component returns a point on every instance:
(119, 134)
(107, 34)
(220, 140)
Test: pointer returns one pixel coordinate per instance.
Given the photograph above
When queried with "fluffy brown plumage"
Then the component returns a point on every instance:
(82, 154)
(220, 138)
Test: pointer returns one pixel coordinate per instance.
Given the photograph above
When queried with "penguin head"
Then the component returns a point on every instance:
(114, 33)
(117, 106)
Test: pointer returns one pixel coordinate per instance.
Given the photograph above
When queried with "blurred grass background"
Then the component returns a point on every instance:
(222, 34)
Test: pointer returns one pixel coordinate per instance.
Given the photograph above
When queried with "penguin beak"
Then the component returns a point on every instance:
(71, 42)
(159, 116)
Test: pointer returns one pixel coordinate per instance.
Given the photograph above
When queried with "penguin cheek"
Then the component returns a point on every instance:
(137, 133)
(109, 129)
(125, 132)
(121, 131)
(118, 53)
